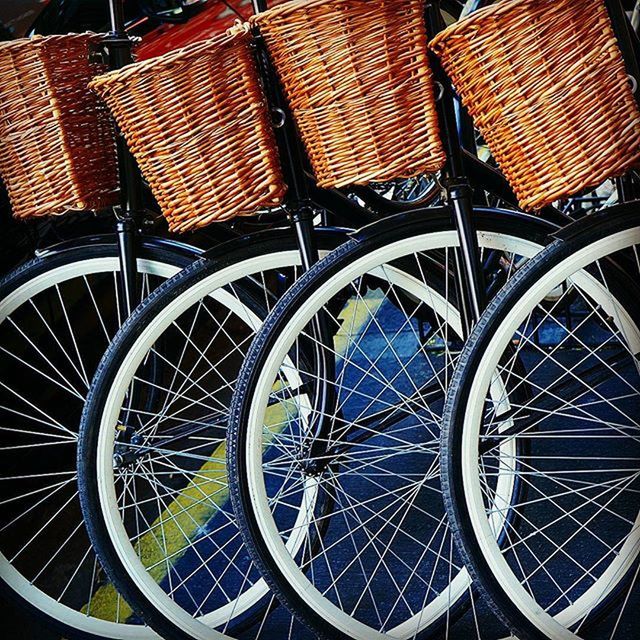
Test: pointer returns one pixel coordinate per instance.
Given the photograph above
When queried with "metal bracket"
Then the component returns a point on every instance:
(282, 117)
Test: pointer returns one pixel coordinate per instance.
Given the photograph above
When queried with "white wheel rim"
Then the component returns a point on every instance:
(211, 286)
(14, 579)
(257, 490)
(469, 463)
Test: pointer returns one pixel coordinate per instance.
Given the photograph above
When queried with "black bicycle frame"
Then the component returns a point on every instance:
(457, 133)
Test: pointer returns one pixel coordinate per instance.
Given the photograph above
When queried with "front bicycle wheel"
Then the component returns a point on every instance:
(152, 450)
(58, 313)
(333, 461)
(564, 379)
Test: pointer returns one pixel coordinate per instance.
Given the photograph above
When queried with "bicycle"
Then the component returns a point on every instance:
(351, 464)
(183, 309)
(82, 283)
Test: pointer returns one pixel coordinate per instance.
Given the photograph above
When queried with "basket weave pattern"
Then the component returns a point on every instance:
(547, 87)
(357, 79)
(57, 144)
(196, 122)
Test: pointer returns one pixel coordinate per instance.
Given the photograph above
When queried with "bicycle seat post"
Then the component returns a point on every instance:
(118, 46)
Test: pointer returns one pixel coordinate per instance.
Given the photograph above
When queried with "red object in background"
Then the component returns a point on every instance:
(215, 18)
(19, 17)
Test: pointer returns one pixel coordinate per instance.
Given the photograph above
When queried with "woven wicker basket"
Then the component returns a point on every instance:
(547, 87)
(357, 78)
(57, 145)
(196, 122)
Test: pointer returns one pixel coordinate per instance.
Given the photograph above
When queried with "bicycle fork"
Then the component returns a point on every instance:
(118, 48)
(469, 278)
(302, 214)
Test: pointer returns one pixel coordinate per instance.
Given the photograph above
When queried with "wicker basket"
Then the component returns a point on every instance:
(547, 87)
(57, 145)
(196, 122)
(357, 78)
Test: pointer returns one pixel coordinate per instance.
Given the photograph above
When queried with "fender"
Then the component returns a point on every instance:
(219, 252)
(623, 216)
(110, 239)
(437, 218)
(426, 219)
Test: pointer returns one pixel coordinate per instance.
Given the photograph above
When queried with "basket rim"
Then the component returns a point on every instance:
(38, 39)
(478, 17)
(214, 45)
(293, 6)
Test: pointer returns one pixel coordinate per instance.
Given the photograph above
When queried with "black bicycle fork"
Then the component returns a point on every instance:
(118, 46)
(459, 194)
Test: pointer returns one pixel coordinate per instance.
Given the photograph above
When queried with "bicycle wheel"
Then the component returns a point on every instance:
(356, 429)
(58, 313)
(152, 446)
(571, 559)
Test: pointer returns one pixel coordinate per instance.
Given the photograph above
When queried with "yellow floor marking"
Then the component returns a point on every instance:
(197, 503)
(207, 493)
(177, 525)
(355, 316)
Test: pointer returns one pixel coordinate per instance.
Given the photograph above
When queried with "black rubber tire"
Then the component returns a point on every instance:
(531, 229)
(627, 292)
(19, 277)
(101, 385)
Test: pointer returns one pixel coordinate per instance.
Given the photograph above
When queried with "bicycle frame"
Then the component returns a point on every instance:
(459, 198)
(459, 193)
